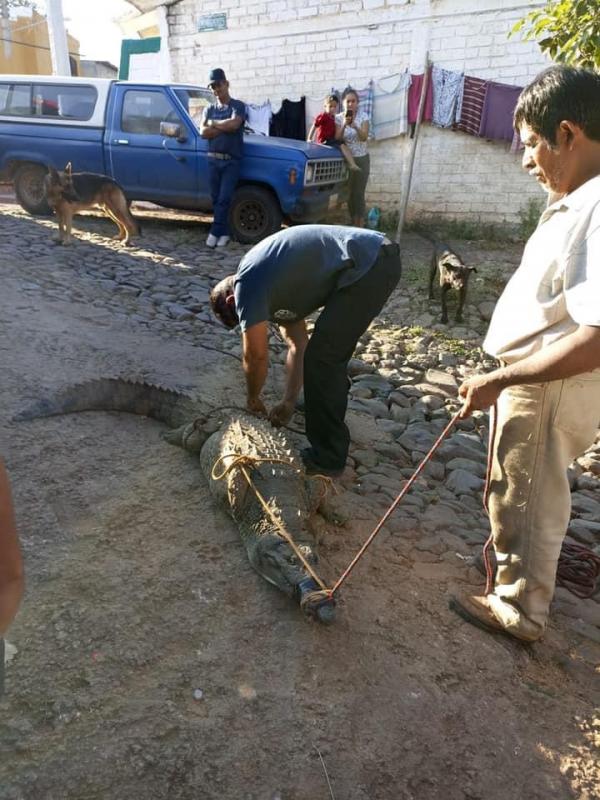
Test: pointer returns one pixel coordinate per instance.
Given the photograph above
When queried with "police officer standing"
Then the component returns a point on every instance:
(223, 126)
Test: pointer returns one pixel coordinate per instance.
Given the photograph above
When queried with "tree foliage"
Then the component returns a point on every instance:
(15, 5)
(567, 30)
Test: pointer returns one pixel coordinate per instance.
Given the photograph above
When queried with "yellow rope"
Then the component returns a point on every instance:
(240, 462)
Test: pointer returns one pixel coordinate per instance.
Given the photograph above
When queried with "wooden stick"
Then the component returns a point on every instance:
(406, 194)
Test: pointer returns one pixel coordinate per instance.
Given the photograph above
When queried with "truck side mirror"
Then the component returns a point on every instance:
(172, 130)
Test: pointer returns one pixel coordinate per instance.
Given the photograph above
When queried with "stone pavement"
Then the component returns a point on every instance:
(404, 376)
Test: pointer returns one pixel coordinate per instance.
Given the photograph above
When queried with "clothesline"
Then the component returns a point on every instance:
(479, 107)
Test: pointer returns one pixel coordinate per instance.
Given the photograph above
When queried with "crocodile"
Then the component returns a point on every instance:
(266, 455)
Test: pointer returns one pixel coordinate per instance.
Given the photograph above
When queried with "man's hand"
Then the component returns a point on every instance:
(480, 392)
(256, 406)
(281, 414)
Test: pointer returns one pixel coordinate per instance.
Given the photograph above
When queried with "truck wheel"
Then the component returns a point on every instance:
(254, 214)
(29, 188)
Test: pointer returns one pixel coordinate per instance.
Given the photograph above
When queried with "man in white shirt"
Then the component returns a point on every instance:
(545, 331)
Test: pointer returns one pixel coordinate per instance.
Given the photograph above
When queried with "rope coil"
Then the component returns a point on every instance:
(578, 570)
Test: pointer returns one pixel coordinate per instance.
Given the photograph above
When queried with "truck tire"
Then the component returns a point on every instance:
(29, 189)
(254, 214)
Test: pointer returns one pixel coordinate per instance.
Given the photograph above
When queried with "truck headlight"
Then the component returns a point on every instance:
(310, 173)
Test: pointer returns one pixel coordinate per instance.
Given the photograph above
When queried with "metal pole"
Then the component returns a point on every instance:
(413, 151)
(6, 28)
(57, 35)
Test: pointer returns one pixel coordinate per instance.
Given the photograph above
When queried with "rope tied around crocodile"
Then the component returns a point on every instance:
(241, 462)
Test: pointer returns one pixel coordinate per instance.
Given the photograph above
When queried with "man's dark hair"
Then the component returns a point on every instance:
(561, 93)
(223, 310)
(349, 90)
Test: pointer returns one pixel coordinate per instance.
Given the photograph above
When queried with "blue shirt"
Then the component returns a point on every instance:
(230, 143)
(293, 272)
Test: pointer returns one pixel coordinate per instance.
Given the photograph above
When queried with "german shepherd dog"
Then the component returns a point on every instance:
(68, 192)
(452, 272)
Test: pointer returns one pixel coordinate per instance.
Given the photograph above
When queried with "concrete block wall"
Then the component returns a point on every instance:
(285, 48)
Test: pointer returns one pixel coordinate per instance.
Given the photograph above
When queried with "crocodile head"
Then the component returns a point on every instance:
(274, 559)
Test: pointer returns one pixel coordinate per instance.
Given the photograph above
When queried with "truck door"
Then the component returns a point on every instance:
(146, 164)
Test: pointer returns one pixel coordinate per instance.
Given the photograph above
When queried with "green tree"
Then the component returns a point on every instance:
(8, 6)
(567, 30)
(21, 3)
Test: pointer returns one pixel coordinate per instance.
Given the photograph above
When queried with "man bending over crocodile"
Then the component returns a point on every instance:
(349, 273)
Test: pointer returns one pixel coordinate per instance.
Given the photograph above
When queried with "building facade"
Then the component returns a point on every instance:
(25, 47)
(272, 49)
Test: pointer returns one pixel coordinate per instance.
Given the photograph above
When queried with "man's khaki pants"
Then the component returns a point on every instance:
(541, 429)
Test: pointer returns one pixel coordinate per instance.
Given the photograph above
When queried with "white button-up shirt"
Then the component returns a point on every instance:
(557, 285)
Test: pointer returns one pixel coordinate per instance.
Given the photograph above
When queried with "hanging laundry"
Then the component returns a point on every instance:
(390, 106)
(365, 102)
(498, 109)
(276, 106)
(290, 122)
(447, 89)
(259, 117)
(471, 107)
(414, 95)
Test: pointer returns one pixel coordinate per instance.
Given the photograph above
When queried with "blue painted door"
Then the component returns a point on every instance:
(146, 164)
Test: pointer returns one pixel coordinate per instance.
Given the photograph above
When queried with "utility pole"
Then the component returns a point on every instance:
(6, 30)
(57, 34)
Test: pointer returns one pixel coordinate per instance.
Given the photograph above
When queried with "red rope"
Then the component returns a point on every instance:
(396, 502)
(578, 570)
(578, 567)
(489, 570)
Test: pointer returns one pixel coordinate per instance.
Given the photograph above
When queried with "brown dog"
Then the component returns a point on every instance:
(69, 192)
(452, 273)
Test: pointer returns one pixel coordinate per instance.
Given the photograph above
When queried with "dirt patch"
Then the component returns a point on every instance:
(153, 663)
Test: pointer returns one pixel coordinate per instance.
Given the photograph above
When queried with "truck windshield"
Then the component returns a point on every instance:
(194, 101)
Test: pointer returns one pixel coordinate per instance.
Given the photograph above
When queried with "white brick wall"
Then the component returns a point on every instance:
(286, 48)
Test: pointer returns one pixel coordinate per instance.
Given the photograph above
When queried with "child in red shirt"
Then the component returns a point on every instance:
(324, 127)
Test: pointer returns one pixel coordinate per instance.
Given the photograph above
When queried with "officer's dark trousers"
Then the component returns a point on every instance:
(223, 177)
(346, 316)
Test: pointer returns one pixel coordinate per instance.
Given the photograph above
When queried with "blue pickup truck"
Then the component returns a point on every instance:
(146, 137)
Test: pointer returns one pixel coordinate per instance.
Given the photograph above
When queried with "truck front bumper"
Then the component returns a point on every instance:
(312, 205)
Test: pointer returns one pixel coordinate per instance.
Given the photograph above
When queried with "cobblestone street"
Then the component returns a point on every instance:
(139, 592)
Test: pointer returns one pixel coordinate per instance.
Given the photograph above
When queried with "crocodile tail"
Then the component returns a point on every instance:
(116, 394)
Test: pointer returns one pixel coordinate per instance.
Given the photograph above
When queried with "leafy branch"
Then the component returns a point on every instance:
(566, 30)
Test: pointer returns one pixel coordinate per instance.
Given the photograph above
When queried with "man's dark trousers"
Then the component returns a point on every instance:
(223, 176)
(346, 316)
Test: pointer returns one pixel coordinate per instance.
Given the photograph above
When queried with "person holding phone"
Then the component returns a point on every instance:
(352, 128)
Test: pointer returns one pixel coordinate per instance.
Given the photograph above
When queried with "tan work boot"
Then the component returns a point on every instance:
(476, 610)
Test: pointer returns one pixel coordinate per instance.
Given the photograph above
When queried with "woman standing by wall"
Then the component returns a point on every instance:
(352, 128)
